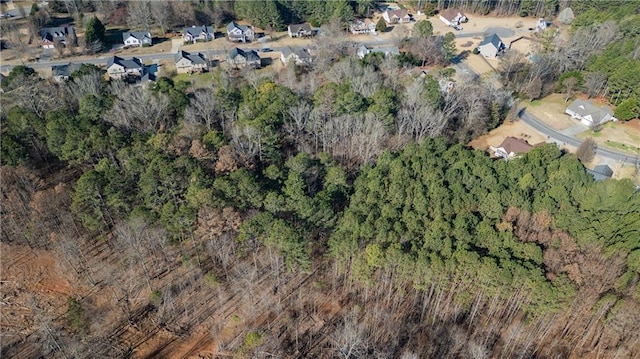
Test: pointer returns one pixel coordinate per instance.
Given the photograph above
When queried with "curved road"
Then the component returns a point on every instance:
(551, 133)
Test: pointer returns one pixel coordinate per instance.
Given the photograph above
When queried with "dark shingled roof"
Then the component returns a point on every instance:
(196, 59)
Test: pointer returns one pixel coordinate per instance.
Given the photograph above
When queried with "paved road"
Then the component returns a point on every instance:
(572, 141)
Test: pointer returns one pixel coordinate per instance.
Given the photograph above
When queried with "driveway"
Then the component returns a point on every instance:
(574, 130)
(176, 44)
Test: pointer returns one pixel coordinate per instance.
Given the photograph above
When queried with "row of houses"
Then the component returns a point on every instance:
(133, 68)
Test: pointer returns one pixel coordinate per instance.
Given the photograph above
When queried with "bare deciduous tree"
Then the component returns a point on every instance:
(350, 340)
(137, 109)
(586, 150)
(139, 15)
(202, 109)
(162, 12)
(569, 86)
(594, 83)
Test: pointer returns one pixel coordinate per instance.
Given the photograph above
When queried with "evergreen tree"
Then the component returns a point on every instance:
(381, 25)
(423, 29)
(94, 31)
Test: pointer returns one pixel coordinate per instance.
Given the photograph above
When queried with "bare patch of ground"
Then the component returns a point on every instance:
(478, 64)
(523, 46)
(26, 274)
(514, 129)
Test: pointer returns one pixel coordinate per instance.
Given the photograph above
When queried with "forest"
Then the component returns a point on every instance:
(330, 211)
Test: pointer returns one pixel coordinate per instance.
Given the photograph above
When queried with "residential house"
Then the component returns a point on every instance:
(491, 46)
(60, 34)
(601, 172)
(588, 113)
(240, 33)
(396, 16)
(366, 26)
(296, 55)
(198, 33)
(386, 51)
(511, 147)
(300, 30)
(188, 63)
(136, 38)
(244, 58)
(452, 17)
(363, 51)
(119, 68)
(62, 73)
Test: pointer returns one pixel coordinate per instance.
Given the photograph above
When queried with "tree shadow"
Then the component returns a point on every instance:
(59, 21)
(114, 36)
(266, 61)
(160, 40)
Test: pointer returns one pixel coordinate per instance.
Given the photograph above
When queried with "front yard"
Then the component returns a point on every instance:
(550, 110)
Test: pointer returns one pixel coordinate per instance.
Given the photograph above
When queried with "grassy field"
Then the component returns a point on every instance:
(551, 111)
(196, 80)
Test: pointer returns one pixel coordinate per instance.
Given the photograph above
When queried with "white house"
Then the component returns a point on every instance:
(136, 38)
(491, 46)
(299, 30)
(240, 33)
(366, 26)
(588, 113)
(452, 17)
(298, 56)
(396, 16)
(198, 33)
(189, 63)
(119, 68)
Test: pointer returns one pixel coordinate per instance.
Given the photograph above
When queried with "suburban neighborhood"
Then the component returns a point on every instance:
(200, 49)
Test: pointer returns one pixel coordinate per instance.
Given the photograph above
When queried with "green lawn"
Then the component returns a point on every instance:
(622, 147)
(197, 80)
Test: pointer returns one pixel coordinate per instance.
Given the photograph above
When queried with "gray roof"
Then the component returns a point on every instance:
(493, 40)
(196, 59)
(250, 55)
(300, 27)
(585, 108)
(601, 172)
(132, 63)
(64, 70)
(51, 33)
(298, 51)
(136, 34)
(195, 31)
(233, 25)
(603, 169)
(391, 50)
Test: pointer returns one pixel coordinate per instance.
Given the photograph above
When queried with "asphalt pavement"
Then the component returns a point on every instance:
(572, 141)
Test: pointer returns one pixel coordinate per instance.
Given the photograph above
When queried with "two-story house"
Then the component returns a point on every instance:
(198, 33)
(189, 63)
(57, 35)
(119, 68)
(240, 33)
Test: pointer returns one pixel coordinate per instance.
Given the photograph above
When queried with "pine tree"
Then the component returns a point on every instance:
(94, 31)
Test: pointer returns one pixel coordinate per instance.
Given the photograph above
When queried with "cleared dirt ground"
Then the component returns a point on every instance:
(515, 129)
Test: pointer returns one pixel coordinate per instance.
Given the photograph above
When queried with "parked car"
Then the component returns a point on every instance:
(266, 49)
(458, 27)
